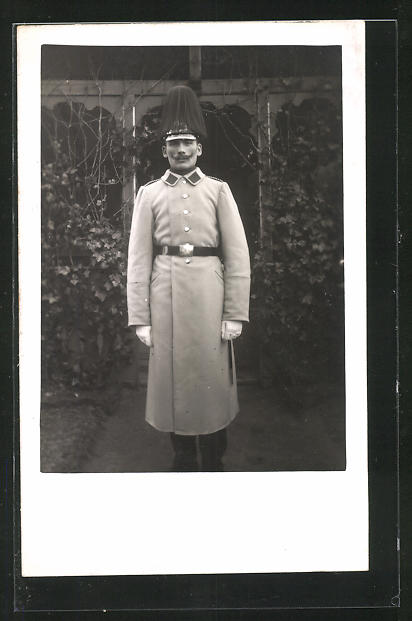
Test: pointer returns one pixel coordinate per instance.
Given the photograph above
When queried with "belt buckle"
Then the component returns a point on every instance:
(186, 250)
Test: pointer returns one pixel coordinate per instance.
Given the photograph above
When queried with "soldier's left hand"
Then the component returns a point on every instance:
(144, 333)
(231, 330)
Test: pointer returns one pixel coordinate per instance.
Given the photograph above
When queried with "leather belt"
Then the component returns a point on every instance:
(187, 250)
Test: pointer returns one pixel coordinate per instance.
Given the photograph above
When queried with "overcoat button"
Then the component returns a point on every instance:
(187, 260)
(187, 229)
(183, 180)
(185, 211)
(185, 195)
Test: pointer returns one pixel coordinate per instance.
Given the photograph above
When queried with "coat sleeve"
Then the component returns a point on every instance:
(235, 256)
(139, 265)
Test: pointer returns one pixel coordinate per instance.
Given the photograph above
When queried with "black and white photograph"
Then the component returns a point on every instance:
(197, 284)
(235, 351)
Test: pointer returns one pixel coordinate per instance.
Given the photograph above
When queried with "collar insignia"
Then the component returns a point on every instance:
(170, 178)
(194, 177)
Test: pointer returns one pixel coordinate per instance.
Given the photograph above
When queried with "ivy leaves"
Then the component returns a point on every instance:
(84, 334)
(297, 286)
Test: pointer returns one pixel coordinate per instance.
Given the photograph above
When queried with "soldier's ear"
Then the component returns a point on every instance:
(164, 150)
(199, 149)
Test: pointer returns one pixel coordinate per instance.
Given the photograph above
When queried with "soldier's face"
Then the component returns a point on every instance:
(182, 154)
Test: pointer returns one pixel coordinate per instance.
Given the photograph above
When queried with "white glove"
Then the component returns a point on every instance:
(231, 330)
(144, 333)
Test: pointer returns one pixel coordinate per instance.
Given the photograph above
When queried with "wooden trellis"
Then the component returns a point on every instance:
(129, 100)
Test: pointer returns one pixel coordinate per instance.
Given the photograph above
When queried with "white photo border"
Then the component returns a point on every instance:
(134, 523)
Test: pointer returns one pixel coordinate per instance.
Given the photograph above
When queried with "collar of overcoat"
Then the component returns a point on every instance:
(194, 177)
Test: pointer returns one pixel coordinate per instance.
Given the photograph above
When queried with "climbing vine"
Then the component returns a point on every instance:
(297, 297)
(84, 336)
(297, 267)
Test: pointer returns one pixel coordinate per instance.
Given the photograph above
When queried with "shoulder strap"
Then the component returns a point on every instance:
(150, 182)
(215, 178)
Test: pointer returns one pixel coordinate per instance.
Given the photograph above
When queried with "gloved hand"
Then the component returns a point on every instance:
(144, 333)
(231, 330)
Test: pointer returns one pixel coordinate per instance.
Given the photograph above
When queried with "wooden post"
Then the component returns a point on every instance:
(131, 374)
(264, 196)
(195, 68)
(263, 140)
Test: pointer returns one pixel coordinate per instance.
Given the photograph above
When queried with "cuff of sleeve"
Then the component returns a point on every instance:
(231, 317)
(138, 304)
(236, 303)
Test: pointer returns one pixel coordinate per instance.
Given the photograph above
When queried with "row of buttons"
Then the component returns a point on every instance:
(186, 212)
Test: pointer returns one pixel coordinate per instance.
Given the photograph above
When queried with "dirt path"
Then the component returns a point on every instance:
(266, 435)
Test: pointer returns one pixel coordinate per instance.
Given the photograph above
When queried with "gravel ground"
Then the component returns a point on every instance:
(84, 436)
(69, 427)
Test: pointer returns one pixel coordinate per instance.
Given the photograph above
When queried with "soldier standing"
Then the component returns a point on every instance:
(188, 291)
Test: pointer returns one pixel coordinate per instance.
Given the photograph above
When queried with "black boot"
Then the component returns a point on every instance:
(212, 448)
(185, 457)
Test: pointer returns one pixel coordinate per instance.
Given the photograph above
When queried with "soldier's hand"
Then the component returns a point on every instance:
(231, 330)
(144, 333)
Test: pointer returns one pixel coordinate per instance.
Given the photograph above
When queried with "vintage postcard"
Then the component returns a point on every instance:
(193, 356)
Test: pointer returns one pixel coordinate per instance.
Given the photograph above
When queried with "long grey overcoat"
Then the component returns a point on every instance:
(192, 381)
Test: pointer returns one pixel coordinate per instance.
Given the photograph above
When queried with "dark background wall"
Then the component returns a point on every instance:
(141, 63)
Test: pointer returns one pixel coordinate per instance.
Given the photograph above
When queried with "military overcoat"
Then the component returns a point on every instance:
(192, 381)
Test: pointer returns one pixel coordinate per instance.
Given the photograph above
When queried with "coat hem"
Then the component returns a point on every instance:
(195, 433)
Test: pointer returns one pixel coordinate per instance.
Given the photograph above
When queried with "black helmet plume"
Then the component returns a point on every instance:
(182, 113)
